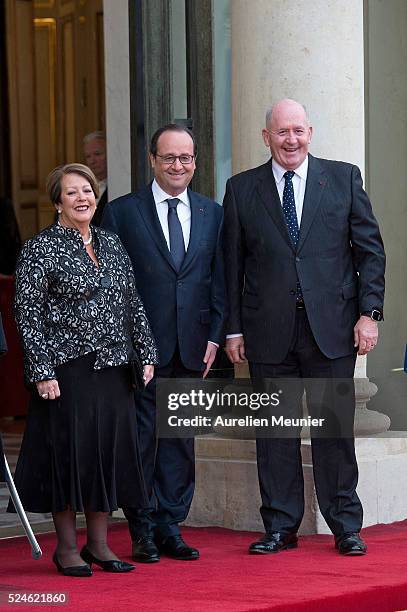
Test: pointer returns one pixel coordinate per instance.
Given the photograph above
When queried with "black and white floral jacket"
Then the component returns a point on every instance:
(66, 306)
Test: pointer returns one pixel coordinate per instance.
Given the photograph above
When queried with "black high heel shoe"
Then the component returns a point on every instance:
(79, 571)
(112, 565)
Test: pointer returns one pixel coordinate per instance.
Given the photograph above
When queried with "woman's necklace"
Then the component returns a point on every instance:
(89, 240)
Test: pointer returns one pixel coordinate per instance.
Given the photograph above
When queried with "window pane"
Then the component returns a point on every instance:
(223, 102)
(178, 60)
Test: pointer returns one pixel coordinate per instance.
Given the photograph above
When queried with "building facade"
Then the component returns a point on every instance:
(129, 66)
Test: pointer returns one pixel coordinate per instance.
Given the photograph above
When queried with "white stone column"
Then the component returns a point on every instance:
(310, 51)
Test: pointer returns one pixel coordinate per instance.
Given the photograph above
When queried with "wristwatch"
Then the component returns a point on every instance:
(375, 314)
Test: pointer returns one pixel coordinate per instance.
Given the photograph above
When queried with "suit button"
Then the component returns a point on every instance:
(292, 292)
(298, 259)
(179, 283)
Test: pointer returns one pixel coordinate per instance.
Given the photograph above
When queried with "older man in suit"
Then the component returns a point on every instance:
(173, 237)
(304, 267)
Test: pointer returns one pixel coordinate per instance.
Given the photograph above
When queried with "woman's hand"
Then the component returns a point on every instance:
(148, 373)
(48, 389)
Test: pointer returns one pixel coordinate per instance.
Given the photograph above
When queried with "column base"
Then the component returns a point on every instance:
(227, 491)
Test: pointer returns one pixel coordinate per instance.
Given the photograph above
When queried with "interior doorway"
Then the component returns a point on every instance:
(55, 90)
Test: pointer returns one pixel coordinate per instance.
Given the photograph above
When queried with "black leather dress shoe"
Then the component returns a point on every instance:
(78, 571)
(144, 550)
(350, 544)
(115, 566)
(175, 547)
(273, 542)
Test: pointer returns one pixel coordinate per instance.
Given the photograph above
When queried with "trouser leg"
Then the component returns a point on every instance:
(140, 520)
(174, 484)
(279, 461)
(168, 465)
(331, 395)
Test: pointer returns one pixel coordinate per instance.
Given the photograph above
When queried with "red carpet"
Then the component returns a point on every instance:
(313, 578)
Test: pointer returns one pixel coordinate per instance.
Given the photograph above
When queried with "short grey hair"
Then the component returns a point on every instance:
(98, 135)
(269, 113)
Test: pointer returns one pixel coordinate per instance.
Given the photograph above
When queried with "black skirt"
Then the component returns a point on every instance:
(81, 451)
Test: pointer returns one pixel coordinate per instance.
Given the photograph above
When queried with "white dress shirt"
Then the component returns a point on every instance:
(183, 211)
(299, 181)
(184, 215)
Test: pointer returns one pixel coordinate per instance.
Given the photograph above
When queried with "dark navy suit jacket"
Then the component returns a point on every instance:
(339, 260)
(186, 308)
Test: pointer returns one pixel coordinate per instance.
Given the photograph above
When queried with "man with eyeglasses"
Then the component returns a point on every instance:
(173, 237)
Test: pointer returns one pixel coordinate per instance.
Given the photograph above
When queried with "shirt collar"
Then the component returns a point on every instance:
(279, 171)
(160, 195)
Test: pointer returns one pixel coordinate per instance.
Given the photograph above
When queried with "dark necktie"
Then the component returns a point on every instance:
(290, 213)
(290, 216)
(177, 246)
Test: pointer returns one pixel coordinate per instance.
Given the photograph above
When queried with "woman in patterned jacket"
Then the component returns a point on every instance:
(80, 319)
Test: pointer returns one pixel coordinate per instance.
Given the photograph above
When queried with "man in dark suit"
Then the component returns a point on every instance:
(304, 265)
(94, 149)
(173, 237)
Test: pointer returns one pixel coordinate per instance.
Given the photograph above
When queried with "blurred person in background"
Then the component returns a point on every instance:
(94, 148)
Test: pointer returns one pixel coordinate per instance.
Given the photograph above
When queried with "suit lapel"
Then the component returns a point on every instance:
(149, 214)
(198, 211)
(316, 182)
(267, 190)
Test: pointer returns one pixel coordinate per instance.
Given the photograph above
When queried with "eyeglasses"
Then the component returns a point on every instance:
(169, 160)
